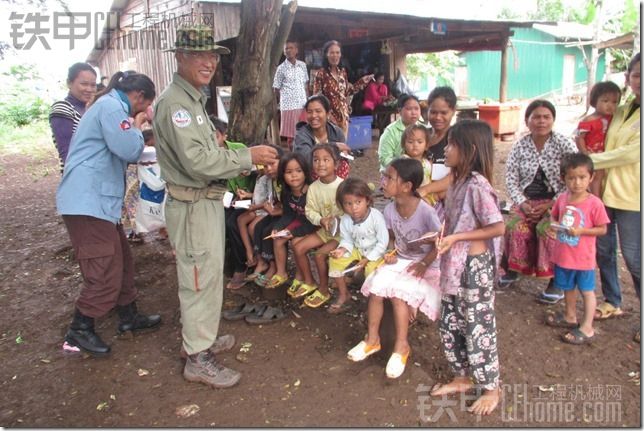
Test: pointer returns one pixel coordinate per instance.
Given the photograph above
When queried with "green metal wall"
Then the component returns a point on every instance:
(533, 69)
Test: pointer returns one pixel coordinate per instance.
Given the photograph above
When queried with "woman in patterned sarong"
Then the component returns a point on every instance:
(533, 183)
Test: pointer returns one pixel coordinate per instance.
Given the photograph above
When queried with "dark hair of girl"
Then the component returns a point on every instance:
(331, 149)
(409, 131)
(445, 93)
(147, 135)
(409, 170)
(601, 88)
(474, 142)
(281, 170)
(321, 99)
(325, 50)
(220, 125)
(540, 103)
(404, 98)
(127, 82)
(353, 186)
(75, 70)
(633, 62)
(631, 65)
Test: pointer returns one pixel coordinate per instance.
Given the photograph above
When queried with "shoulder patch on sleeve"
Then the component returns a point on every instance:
(181, 118)
(125, 125)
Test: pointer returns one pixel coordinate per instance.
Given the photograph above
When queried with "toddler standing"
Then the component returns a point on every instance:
(579, 218)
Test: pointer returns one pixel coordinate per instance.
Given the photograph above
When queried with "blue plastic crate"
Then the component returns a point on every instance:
(359, 132)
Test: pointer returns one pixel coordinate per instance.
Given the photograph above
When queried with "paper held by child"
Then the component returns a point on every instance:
(347, 156)
(352, 269)
(245, 204)
(439, 171)
(428, 235)
(561, 227)
(334, 226)
(228, 199)
(280, 234)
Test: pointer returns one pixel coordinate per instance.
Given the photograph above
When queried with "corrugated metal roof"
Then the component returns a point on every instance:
(566, 30)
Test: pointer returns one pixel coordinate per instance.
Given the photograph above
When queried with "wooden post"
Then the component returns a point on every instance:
(503, 86)
(252, 101)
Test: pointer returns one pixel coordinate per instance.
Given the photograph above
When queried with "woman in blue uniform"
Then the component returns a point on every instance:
(90, 197)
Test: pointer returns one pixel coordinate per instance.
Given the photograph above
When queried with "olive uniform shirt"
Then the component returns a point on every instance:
(187, 150)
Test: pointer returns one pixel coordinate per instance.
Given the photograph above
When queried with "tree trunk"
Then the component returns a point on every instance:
(591, 65)
(252, 102)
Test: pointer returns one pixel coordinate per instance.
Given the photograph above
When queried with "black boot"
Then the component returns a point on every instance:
(81, 334)
(132, 321)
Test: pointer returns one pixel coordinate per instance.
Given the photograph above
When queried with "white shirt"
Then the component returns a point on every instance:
(370, 236)
(290, 79)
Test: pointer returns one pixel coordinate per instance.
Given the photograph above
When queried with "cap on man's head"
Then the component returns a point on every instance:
(197, 38)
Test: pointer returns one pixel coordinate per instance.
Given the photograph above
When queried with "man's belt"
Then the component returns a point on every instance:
(192, 195)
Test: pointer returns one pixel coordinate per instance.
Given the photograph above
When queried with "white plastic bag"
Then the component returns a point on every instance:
(150, 215)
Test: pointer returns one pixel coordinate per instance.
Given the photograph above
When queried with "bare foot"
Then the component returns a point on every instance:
(486, 402)
(459, 384)
(412, 313)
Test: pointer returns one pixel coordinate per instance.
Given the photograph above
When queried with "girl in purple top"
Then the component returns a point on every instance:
(470, 252)
(65, 114)
(410, 274)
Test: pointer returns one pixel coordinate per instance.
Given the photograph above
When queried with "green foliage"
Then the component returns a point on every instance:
(630, 17)
(548, 10)
(20, 103)
(439, 65)
(33, 139)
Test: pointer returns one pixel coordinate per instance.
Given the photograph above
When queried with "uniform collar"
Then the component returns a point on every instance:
(189, 88)
(125, 104)
(125, 100)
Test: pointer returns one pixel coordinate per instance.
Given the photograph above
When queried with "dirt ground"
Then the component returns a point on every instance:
(295, 372)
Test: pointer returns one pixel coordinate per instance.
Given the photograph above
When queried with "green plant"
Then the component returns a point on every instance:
(33, 140)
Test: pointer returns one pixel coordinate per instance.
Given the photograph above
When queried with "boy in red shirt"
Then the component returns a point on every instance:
(578, 217)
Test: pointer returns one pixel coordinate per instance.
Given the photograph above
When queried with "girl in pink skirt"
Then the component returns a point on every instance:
(410, 274)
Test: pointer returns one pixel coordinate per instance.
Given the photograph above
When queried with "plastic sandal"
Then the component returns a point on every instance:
(336, 308)
(317, 299)
(362, 351)
(576, 337)
(242, 310)
(275, 281)
(396, 365)
(270, 315)
(304, 290)
(293, 287)
(558, 320)
(261, 280)
(607, 310)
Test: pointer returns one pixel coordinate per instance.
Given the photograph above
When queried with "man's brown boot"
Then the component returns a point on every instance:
(203, 368)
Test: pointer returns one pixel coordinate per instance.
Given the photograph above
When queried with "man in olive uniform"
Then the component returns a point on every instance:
(194, 167)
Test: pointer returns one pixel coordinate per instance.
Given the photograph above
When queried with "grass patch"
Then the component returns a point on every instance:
(33, 140)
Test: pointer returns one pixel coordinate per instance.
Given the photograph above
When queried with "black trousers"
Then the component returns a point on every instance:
(238, 254)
